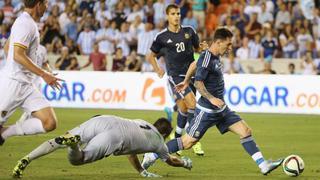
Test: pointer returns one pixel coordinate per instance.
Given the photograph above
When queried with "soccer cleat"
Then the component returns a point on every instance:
(148, 160)
(68, 140)
(272, 165)
(20, 167)
(197, 149)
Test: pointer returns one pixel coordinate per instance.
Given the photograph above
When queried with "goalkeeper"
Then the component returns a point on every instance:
(104, 135)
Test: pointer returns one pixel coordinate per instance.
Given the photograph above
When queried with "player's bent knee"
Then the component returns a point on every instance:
(246, 132)
(49, 124)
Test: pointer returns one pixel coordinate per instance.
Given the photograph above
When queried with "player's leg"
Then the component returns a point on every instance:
(100, 146)
(234, 123)
(43, 118)
(190, 101)
(44, 149)
(199, 125)
(181, 117)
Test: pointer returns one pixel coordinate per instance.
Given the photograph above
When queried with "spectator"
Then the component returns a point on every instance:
(232, 65)
(292, 68)
(307, 65)
(8, 11)
(73, 48)
(65, 61)
(253, 27)
(119, 15)
(288, 43)
(304, 40)
(198, 10)
(255, 47)
(189, 20)
(136, 11)
(102, 12)
(269, 44)
(51, 31)
(123, 38)
(97, 59)
(133, 62)
(265, 16)
(282, 17)
(145, 39)
(106, 37)
(72, 27)
(243, 51)
(4, 34)
(64, 19)
(267, 69)
(159, 11)
(87, 5)
(86, 40)
(252, 8)
(149, 11)
(118, 63)
(241, 20)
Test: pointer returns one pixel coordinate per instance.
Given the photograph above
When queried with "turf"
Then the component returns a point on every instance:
(277, 135)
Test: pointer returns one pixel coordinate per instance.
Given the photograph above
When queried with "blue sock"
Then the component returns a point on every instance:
(174, 145)
(181, 123)
(252, 149)
(190, 115)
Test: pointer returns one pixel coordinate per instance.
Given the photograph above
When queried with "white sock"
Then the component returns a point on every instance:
(179, 130)
(258, 158)
(27, 127)
(45, 148)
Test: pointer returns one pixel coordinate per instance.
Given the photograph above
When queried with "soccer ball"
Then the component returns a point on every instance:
(293, 165)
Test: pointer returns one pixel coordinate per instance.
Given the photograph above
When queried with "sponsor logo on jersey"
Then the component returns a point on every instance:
(169, 41)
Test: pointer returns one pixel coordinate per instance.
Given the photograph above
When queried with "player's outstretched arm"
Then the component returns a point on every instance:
(176, 162)
(204, 92)
(185, 83)
(151, 58)
(134, 160)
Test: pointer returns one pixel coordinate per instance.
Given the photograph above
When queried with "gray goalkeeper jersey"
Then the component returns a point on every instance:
(128, 136)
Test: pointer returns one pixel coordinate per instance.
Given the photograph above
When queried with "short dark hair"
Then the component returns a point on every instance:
(171, 6)
(222, 34)
(163, 126)
(31, 3)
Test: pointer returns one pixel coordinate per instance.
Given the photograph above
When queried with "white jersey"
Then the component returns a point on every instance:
(25, 34)
(119, 136)
(41, 59)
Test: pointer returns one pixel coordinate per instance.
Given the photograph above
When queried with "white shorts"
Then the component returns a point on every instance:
(14, 94)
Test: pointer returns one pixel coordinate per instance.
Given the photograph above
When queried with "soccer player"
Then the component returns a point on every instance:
(105, 135)
(177, 43)
(211, 109)
(17, 89)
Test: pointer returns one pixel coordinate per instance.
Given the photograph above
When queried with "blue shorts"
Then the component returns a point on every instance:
(202, 121)
(173, 81)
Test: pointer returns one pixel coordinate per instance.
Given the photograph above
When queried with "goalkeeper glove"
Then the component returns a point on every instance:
(187, 163)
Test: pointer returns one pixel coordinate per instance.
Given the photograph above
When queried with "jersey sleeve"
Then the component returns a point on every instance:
(163, 152)
(195, 38)
(202, 67)
(22, 34)
(156, 45)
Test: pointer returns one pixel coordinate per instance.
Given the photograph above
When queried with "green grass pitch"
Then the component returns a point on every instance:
(277, 136)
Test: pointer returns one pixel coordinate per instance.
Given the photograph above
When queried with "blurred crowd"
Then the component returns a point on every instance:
(124, 30)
